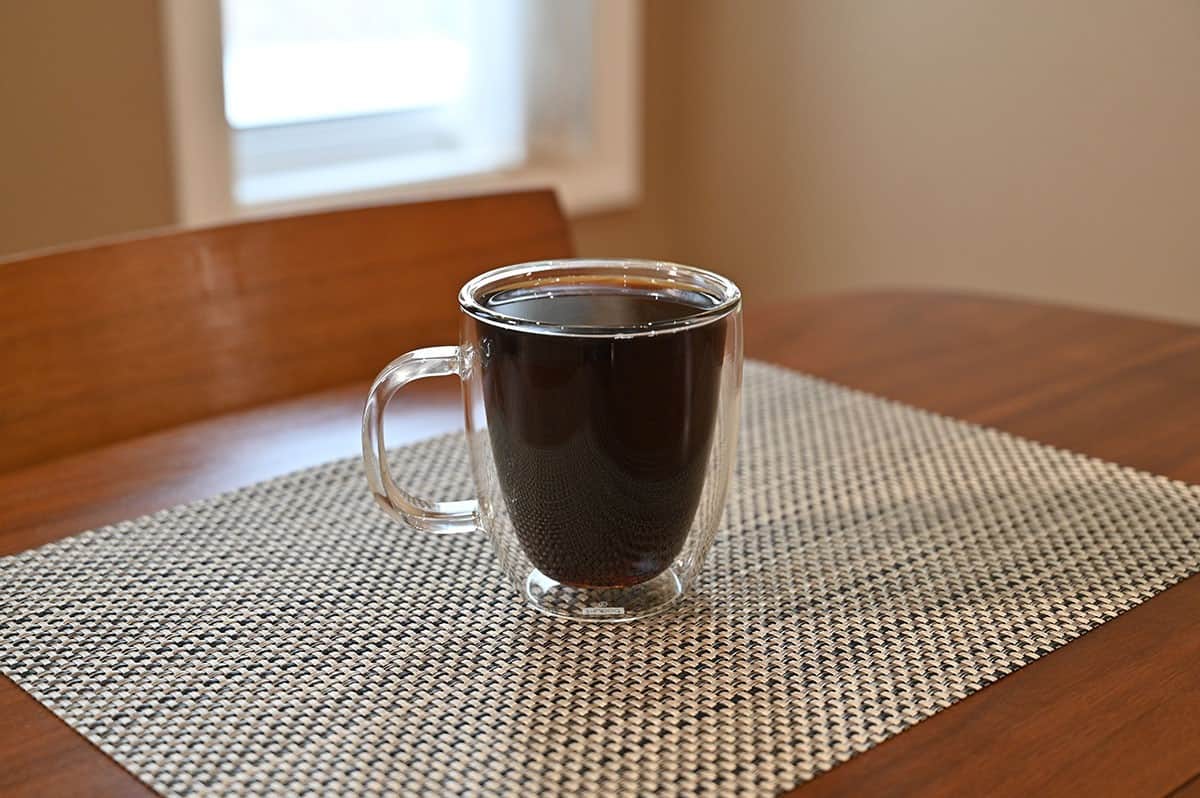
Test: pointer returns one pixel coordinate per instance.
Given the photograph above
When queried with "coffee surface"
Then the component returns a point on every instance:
(601, 444)
(609, 307)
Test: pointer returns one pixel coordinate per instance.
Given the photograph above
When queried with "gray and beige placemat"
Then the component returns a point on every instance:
(877, 563)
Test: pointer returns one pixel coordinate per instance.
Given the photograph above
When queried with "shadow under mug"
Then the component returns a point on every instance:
(602, 405)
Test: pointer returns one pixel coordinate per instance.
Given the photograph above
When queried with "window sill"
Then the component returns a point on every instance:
(583, 187)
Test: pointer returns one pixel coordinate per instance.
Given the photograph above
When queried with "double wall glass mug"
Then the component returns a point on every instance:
(602, 406)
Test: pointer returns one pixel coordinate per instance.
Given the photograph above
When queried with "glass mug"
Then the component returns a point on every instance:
(602, 405)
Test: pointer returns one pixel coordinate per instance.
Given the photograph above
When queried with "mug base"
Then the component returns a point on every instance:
(603, 604)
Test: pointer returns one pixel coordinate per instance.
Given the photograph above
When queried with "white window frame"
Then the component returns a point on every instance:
(605, 178)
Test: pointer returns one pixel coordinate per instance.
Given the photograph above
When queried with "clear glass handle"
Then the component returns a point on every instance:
(442, 518)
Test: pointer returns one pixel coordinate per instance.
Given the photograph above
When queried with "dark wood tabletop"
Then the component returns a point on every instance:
(1116, 712)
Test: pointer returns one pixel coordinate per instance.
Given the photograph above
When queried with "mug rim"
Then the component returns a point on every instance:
(727, 296)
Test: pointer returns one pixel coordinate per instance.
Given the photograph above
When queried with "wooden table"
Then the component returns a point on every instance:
(1115, 712)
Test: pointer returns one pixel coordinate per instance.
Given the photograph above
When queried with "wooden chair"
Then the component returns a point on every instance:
(114, 340)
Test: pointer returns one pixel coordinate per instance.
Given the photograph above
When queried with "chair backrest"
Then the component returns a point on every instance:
(110, 341)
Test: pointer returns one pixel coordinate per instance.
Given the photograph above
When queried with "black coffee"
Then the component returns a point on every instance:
(601, 444)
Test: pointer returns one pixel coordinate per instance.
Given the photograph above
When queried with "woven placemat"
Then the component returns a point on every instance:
(877, 563)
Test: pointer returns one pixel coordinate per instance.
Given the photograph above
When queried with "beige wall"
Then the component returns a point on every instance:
(1039, 148)
(83, 141)
(1042, 148)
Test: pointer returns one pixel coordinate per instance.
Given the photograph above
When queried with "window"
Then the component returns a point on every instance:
(292, 105)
